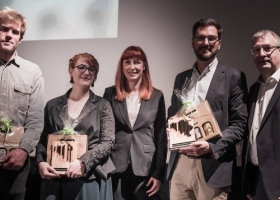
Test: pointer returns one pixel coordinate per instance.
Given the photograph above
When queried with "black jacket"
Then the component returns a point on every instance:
(268, 146)
(227, 96)
(98, 125)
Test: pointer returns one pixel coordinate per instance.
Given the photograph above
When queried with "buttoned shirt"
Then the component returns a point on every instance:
(199, 83)
(265, 93)
(22, 98)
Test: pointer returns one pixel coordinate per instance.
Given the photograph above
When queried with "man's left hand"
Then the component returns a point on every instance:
(14, 160)
(198, 148)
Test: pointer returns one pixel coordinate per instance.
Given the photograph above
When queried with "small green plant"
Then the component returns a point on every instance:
(6, 125)
(187, 103)
(68, 131)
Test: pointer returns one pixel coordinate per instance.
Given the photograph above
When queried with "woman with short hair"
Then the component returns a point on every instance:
(82, 180)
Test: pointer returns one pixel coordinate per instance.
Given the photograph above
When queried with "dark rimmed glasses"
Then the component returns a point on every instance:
(212, 39)
(82, 68)
(268, 50)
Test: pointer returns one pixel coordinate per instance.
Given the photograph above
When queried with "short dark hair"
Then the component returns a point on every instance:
(207, 22)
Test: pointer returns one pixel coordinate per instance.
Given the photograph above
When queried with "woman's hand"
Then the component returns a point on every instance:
(76, 169)
(155, 185)
(249, 197)
(46, 171)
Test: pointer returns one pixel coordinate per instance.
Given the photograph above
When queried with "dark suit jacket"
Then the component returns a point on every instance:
(98, 125)
(227, 97)
(145, 143)
(268, 146)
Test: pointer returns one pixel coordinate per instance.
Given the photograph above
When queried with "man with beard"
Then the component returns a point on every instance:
(21, 97)
(204, 169)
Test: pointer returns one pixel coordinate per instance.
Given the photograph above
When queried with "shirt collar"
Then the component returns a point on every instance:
(2, 62)
(14, 60)
(213, 64)
(274, 77)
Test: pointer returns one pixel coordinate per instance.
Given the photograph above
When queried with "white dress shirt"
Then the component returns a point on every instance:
(266, 91)
(133, 104)
(199, 83)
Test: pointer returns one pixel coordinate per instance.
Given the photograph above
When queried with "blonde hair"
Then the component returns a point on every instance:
(10, 15)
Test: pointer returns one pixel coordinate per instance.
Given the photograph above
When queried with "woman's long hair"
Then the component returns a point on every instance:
(122, 87)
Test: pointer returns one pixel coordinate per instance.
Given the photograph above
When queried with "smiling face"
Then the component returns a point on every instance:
(80, 77)
(133, 69)
(267, 63)
(9, 39)
(205, 48)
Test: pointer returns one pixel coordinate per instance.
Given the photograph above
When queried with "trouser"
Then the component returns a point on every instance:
(253, 183)
(260, 193)
(12, 183)
(33, 182)
(128, 186)
(76, 189)
(188, 182)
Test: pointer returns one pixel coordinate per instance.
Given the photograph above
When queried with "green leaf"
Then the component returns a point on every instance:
(6, 125)
(187, 103)
(68, 131)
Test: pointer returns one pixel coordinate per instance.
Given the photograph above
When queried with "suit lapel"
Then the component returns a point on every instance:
(88, 107)
(216, 81)
(271, 104)
(144, 109)
(252, 105)
(62, 103)
(123, 111)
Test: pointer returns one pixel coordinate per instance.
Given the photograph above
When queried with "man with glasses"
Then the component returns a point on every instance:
(22, 99)
(262, 166)
(203, 171)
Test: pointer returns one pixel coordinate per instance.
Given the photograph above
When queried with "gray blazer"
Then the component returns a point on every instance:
(227, 96)
(144, 144)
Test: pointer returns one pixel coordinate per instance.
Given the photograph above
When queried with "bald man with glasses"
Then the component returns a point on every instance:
(262, 165)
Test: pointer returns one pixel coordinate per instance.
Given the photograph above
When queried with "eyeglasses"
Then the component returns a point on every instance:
(82, 68)
(266, 49)
(212, 39)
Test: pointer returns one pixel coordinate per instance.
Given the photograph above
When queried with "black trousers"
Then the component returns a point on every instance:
(12, 183)
(128, 186)
(256, 187)
(260, 193)
(33, 183)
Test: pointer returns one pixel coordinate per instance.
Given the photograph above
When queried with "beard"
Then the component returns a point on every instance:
(203, 56)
